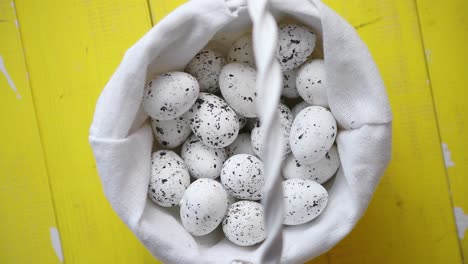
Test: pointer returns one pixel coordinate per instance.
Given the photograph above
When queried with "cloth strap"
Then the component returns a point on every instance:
(268, 85)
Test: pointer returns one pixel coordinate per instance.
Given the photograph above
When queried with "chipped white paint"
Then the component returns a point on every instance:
(447, 156)
(9, 80)
(461, 219)
(56, 244)
(428, 56)
(14, 10)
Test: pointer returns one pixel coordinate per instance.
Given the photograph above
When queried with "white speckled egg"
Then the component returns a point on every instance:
(242, 51)
(169, 178)
(242, 176)
(171, 133)
(299, 107)
(213, 121)
(242, 145)
(295, 44)
(163, 159)
(170, 95)
(237, 84)
(244, 223)
(286, 119)
(203, 206)
(319, 171)
(205, 67)
(289, 84)
(311, 83)
(312, 134)
(304, 200)
(202, 161)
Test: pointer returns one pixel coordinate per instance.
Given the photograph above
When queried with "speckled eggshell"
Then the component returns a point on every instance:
(202, 161)
(242, 145)
(169, 178)
(295, 44)
(312, 134)
(244, 223)
(203, 206)
(205, 67)
(304, 200)
(237, 84)
(320, 171)
(242, 51)
(213, 121)
(171, 133)
(289, 84)
(163, 159)
(242, 177)
(170, 95)
(299, 107)
(311, 83)
(257, 134)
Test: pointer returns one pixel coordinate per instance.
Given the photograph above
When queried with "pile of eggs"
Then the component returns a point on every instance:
(207, 124)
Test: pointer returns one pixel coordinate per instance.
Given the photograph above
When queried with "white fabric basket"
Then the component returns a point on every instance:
(121, 135)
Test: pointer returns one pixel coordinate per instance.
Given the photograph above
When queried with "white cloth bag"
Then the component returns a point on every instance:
(121, 136)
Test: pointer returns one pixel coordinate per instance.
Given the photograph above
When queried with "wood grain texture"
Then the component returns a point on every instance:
(444, 27)
(159, 8)
(72, 48)
(26, 208)
(410, 219)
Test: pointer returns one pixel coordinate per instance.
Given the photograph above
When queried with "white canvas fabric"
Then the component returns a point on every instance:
(122, 139)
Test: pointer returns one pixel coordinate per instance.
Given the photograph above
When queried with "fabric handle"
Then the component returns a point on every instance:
(268, 86)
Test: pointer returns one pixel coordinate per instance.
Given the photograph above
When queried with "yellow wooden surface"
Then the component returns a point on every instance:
(26, 209)
(72, 47)
(444, 27)
(410, 219)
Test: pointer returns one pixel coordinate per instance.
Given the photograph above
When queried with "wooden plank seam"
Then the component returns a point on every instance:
(54, 231)
(447, 160)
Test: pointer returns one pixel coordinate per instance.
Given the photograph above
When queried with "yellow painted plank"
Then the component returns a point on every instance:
(444, 27)
(160, 8)
(26, 208)
(410, 219)
(72, 48)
